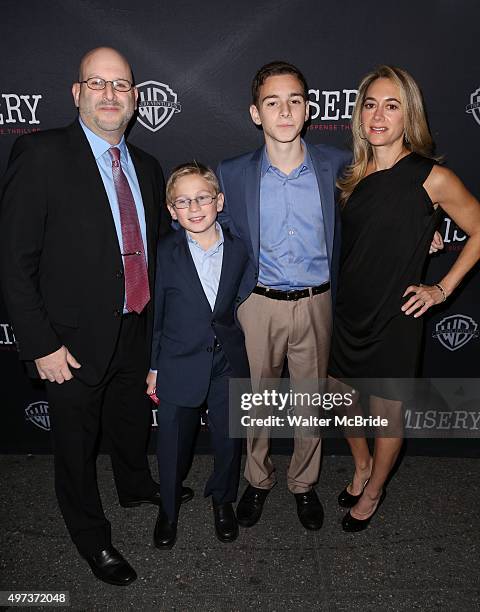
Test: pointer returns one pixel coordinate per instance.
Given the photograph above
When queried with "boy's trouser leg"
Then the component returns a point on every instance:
(223, 482)
(177, 426)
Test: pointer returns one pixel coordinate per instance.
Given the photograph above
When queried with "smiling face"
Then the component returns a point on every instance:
(281, 109)
(382, 114)
(106, 112)
(195, 219)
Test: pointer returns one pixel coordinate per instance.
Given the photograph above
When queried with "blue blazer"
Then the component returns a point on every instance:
(185, 326)
(240, 182)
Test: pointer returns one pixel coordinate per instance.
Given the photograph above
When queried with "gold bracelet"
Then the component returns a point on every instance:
(444, 293)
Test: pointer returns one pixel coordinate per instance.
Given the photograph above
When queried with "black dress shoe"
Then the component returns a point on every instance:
(309, 510)
(351, 524)
(154, 498)
(347, 500)
(109, 565)
(249, 508)
(165, 532)
(226, 526)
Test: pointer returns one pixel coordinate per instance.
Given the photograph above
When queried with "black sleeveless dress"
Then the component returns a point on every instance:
(387, 227)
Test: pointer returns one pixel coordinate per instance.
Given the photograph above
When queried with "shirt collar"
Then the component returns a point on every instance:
(100, 146)
(306, 164)
(215, 246)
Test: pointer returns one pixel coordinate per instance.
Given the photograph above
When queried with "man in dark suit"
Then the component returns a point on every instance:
(280, 200)
(81, 217)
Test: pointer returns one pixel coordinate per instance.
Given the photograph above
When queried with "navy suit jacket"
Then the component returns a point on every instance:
(240, 182)
(185, 326)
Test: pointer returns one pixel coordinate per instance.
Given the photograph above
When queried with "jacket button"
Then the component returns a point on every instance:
(119, 274)
(209, 349)
(214, 323)
(117, 313)
(238, 299)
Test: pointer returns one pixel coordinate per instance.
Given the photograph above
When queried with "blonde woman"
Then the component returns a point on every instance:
(393, 198)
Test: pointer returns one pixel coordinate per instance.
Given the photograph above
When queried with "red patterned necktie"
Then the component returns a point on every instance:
(135, 265)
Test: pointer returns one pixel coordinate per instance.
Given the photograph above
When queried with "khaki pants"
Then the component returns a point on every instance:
(300, 331)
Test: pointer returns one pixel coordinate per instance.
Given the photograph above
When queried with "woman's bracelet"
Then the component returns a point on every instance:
(444, 293)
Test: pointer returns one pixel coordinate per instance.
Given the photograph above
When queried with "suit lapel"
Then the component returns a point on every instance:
(323, 171)
(90, 188)
(252, 199)
(183, 258)
(226, 273)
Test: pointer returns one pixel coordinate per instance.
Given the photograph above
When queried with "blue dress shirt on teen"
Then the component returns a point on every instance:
(291, 220)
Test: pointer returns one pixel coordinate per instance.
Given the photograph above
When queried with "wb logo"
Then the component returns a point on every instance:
(37, 413)
(156, 104)
(455, 331)
(474, 106)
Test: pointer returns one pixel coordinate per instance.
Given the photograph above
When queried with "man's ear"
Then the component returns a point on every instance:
(76, 93)
(255, 115)
(135, 93)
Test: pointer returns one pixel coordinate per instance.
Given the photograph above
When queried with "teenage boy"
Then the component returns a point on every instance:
(197, 346)
(280, 200)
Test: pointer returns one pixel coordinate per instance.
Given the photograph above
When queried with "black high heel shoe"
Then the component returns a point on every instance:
(351, 524)
(347, 500)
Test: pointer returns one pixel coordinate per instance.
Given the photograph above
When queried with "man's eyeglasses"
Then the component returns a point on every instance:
(118, 84)
(203, 200)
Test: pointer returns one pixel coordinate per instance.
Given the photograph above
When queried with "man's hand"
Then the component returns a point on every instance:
(54, 367)
(437, 243)
(151, 382)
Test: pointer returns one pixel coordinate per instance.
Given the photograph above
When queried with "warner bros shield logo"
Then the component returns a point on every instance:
(455, 331)
(157, 103)
(474, 106)
(37, 413)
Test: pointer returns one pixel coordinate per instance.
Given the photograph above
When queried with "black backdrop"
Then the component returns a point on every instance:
(195, 62)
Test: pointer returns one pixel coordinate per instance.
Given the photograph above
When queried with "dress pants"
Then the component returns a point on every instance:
(300, 331)
(117, 407)
(177, 427)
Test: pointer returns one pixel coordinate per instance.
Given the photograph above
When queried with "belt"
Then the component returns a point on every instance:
(293, 295)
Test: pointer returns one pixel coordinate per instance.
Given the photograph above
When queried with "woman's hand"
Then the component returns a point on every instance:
(437, 243)
(423, 297)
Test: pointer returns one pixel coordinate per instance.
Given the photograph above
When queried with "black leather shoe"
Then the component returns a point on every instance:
(351, 524)
(109, 565)
(226, 526)
(309, 510)
(154, 498)
(249, 508)
(165, 532)
(347, 500)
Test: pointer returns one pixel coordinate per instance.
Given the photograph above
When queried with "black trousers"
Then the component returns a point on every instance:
(177, 426)
(118, 408)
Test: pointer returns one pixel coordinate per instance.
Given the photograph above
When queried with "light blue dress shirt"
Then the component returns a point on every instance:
(293, 251)
(208, 264)
(104, 162)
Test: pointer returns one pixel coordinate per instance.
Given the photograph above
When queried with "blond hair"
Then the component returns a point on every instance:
(189, 169)
(417, 137)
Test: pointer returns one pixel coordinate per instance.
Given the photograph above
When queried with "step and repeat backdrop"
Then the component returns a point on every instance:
(193, 64)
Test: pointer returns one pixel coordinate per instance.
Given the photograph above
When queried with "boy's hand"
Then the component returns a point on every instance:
(151, 382)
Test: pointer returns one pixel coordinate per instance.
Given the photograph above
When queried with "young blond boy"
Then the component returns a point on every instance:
(197, 346)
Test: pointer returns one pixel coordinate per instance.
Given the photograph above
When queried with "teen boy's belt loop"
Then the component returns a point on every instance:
(292, 295)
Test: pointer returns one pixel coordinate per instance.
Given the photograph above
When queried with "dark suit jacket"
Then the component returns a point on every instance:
(185, 326)
(240, 182)
(61, 267)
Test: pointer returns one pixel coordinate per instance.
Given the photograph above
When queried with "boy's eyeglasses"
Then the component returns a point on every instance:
(97, 83)
(203, 200)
